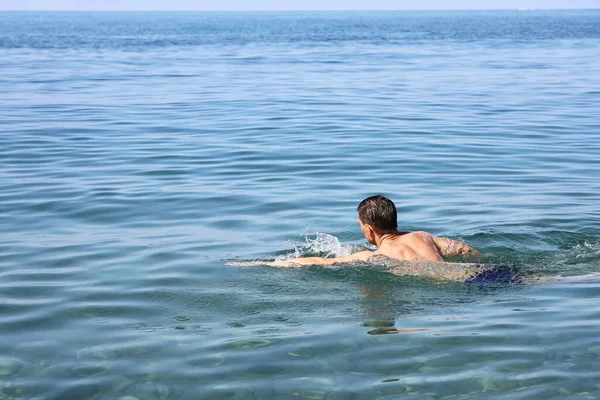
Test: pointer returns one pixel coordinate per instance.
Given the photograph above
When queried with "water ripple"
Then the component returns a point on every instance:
(140, 151)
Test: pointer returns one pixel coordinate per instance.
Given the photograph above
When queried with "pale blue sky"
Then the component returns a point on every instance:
(290, 4)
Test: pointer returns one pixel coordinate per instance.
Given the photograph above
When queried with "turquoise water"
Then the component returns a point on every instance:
(139, 152)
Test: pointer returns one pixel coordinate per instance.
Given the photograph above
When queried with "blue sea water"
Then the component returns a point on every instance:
(139, 152)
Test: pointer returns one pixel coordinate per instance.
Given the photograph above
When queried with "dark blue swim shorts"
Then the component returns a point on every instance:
(496, 274)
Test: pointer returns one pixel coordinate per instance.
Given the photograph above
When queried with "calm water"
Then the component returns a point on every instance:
(139, 152)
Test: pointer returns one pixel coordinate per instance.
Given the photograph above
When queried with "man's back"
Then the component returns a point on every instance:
(412, 246)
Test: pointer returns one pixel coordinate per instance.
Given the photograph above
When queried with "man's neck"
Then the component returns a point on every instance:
(387, 237)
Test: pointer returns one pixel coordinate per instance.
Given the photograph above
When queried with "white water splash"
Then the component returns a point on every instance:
(580, 258)
(586, 253)
(586, 249)
(321, 244)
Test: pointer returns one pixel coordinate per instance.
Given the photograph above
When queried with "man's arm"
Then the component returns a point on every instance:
(297, 262)
(453, 248)
(300, 262)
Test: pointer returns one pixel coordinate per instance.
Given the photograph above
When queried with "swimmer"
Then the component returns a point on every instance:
(377, 217)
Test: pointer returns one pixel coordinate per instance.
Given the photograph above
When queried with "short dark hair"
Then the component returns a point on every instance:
(379, 212)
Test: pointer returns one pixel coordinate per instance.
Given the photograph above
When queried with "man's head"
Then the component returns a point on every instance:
(377, 216)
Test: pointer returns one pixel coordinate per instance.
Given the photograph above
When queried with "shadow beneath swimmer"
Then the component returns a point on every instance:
(393, 331)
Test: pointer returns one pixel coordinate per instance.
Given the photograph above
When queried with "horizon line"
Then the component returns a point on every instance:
(306, 10)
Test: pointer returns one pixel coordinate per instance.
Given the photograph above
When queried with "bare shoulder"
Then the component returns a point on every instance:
(421, 236)
(423, 233)
(451, 248)
(432, 239)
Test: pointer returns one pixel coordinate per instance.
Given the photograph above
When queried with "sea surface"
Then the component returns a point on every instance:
(141, 152)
